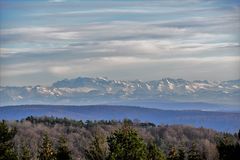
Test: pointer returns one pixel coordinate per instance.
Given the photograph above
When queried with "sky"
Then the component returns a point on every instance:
(42, 41)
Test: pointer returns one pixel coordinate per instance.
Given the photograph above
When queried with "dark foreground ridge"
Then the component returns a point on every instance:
(220, 121)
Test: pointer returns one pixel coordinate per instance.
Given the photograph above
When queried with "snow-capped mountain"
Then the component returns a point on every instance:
(84, 90)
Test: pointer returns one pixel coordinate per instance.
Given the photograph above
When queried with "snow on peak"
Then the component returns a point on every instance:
(92, 88)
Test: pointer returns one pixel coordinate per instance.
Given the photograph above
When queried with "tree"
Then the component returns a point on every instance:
(228, 148)
(181, 154)
(6, 144)
(25, 153)
(239, 134)
(154, 153)
(97, 149)
(46, 151)
(63, 153)
(193, 153)
(126, 144)
(176, 154)
(173, 154)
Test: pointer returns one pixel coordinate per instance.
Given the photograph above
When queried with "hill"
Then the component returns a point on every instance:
(221, 121)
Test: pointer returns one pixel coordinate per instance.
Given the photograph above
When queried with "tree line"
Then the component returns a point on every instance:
(122, 141)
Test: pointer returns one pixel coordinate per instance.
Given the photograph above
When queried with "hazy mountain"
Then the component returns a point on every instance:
(85, 90)
(229, 122)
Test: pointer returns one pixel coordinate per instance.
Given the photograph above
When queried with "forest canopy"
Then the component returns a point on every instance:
(61, 138)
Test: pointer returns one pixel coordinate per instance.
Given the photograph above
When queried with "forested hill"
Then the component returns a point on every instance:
(220, 121)
(55, 138)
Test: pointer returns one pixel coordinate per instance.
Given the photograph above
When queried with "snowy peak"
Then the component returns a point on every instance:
(101, 89)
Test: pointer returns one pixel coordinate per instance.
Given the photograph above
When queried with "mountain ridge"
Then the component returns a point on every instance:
(84, 90)
(221, 121)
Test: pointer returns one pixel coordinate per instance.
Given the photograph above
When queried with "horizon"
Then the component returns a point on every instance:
(108, 79)
(44, 41)
(86, 90)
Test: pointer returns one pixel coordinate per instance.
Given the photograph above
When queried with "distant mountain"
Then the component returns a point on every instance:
(221, 121)
(84, 90)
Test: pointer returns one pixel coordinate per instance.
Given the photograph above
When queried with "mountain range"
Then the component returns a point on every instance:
(85, 90)
(221, 121)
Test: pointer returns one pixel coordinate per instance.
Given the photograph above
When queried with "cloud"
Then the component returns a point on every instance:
(60, 70)
(113, 38)
(19, 72)
(128, 68)
(140, 10)
(120, 38)
(57, 1)
(101, 63)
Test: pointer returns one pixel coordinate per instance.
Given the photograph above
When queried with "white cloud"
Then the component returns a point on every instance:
(19, 72)
(124, 68)
(60, 70)
(154, 38)
(57, 1)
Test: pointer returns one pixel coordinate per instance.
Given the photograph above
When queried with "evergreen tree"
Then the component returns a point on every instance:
(125, 144)
(239, 134)
(63, 153)
(25, 153)
(46, 151)
(193, 153)
(228, 148)
(98, 149)
(6, 144)
(181, 154)
(154, 153)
